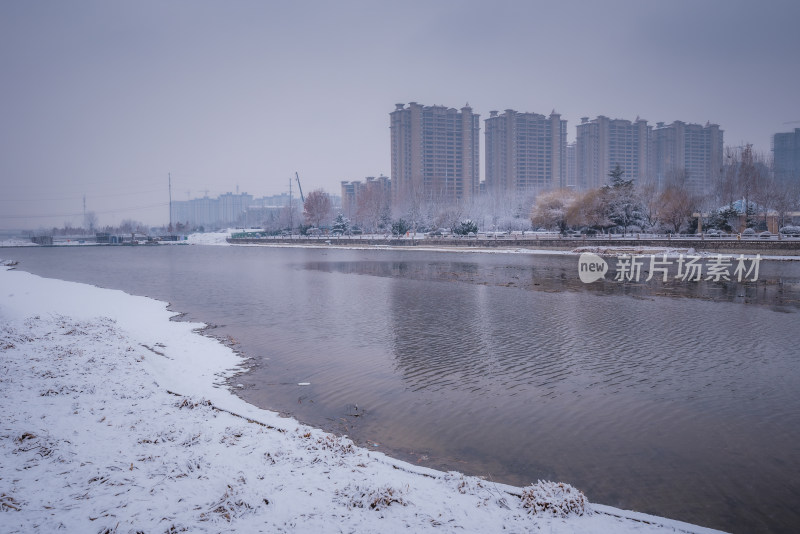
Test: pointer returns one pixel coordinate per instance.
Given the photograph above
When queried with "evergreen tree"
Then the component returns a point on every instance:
(465, 227)
(400, 227)
(341, 225)
(624, 207)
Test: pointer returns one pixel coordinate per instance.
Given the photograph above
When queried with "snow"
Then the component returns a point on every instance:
(209, 238)
(17, 242)
(116, 419)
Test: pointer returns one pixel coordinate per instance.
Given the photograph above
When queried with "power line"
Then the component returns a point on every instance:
(110, 195)
(106, 212)
(34, 183)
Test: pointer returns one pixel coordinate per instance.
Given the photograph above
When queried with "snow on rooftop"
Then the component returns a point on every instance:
(116, 419)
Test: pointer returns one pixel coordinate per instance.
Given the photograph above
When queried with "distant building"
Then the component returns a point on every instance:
(226, 210)
(604, 143)
(786, 156)
(232, 208)
(350, 191)
(647, 154)
(525, 152)
(435, 153)
(690, 148)
(373, 194)
(274, 201)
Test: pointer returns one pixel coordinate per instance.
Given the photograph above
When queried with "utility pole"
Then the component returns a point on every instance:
(169, 177)
(291, 215)
(84, 209)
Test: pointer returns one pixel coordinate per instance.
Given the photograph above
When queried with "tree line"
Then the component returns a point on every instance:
(745, 189)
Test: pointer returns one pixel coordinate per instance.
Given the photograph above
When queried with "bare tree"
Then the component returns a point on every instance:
(288, 217)
(747, 180)
(90, 221)
(675, 207)
(725, 190)
(589, 209)
(768, 196)
(317, 207)
(371, 207)
(746, 177)
(650, 204)
(449, 216)
(550, 209)
(787, 201)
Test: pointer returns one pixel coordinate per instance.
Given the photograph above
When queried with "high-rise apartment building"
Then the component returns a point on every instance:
(525, 152)
(786, 156)
(691, 149)
(435, 153)
(604, 143)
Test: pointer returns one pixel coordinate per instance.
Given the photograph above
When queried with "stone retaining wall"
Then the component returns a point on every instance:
(786, 247)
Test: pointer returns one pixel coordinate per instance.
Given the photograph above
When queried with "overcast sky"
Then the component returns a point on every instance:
(104, 99)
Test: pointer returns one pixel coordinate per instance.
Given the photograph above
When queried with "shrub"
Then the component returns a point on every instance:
(554, 498)
(790, 230)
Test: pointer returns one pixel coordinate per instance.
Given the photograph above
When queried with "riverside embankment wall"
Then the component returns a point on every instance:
(772, 247)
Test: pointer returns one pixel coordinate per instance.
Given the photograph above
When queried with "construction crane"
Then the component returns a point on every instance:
(297, 177)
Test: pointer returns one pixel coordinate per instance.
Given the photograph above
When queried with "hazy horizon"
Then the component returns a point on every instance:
(105, 99)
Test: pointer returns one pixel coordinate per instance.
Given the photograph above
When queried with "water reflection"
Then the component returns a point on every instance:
(559, 273)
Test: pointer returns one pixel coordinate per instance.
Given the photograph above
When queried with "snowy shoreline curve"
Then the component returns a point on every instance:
(117, 420)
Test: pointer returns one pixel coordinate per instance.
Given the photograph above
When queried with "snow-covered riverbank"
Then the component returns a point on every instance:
(115, 420)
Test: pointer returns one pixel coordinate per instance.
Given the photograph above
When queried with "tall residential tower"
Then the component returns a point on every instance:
(604, 143)
(691, 149)
(525, 152)
(435, 153)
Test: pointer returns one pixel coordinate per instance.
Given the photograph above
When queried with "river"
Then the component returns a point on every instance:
(677, 399)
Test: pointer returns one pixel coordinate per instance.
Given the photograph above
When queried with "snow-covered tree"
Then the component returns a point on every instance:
(624, 207)
(341, 225)
(465, 227)
(400, 227)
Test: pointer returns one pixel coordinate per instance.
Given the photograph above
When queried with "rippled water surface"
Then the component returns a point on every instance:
(675, 399)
